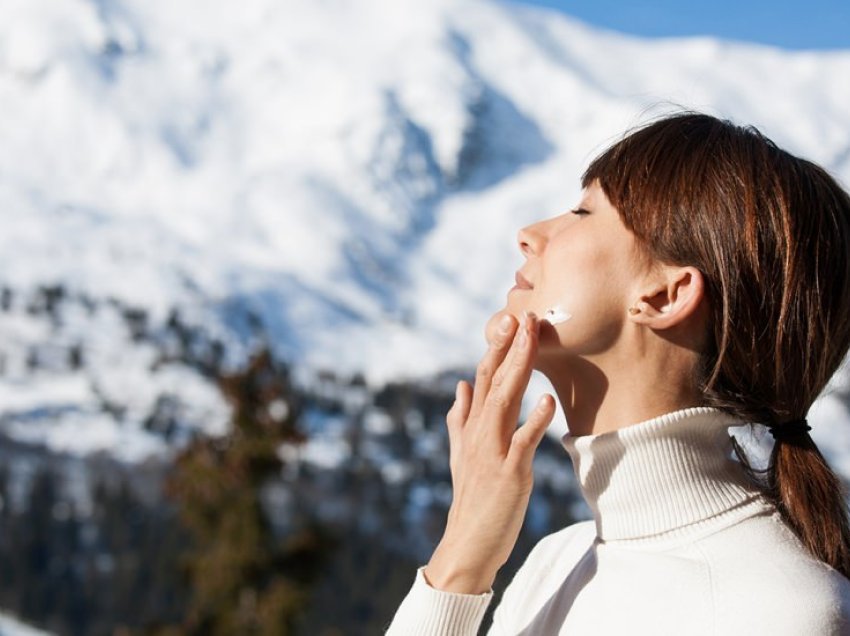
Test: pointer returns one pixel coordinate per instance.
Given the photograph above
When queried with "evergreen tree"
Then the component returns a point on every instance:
(243, 579)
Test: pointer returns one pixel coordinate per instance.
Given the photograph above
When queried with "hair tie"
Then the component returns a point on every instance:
(789, 429)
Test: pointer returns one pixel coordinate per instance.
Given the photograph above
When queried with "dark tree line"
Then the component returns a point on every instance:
(217, 553)
(76, 573)
(202, 560)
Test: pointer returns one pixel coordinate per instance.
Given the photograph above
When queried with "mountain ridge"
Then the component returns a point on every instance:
(348, 175)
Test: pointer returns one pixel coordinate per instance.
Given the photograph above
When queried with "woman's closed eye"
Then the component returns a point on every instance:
(580, 211)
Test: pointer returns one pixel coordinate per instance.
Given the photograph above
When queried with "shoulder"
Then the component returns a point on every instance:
(577, 535)
(765, 581)
(555, 551)
(543, 571)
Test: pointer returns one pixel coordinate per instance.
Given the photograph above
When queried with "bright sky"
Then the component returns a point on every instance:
(814, 24)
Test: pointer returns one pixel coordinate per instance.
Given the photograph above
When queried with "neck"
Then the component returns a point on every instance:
(670, 474)
(596, 401)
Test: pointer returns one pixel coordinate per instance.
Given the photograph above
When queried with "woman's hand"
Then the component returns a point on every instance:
(490, 462)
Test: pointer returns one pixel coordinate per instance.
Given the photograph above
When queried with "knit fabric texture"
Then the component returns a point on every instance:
(681, 542)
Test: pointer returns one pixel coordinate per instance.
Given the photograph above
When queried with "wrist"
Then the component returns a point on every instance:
(449, 575)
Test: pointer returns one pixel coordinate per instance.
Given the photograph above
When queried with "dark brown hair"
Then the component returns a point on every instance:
(770, 232)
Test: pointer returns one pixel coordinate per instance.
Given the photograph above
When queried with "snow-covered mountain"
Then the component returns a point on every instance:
(346, 176)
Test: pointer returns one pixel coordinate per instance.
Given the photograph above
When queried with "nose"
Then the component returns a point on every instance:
(530, 239)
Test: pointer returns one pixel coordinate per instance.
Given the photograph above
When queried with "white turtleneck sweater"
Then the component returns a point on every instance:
(680, 543)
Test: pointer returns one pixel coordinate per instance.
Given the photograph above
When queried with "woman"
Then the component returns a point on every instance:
(707, 277)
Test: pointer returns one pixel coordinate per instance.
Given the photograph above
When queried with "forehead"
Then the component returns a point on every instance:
(594, 198)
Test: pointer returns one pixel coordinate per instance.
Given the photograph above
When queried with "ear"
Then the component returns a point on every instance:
(673, 300)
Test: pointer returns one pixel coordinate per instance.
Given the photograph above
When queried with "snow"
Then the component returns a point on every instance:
(353, 173)
(10, 626)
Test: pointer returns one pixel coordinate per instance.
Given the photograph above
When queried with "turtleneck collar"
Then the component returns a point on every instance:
(665, 474)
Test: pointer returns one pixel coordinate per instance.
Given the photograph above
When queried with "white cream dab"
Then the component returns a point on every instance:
(556, 315)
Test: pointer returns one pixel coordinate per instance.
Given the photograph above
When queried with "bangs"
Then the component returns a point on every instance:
(661, 171)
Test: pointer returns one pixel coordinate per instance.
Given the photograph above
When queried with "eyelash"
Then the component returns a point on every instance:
(579, 211)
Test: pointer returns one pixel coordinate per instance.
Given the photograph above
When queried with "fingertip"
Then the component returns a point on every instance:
(499, 328)
(543, 414)
(506, 323)
(545, 403)
(461, 391)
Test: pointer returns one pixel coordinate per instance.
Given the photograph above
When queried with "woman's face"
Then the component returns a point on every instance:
(584, 262)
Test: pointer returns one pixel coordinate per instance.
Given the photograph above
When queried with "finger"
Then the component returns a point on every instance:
(459, 412)
(527, 437)
(464, 393)
(490, 363)
(491, 329)
(511, 355)
(511, 379)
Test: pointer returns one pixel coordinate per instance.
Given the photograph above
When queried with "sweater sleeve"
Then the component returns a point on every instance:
(426, 611)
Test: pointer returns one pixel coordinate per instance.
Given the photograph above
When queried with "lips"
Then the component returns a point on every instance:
(522, 283)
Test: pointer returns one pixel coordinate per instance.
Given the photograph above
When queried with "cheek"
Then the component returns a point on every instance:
(587, 332)
(577, 284)
(594, 296)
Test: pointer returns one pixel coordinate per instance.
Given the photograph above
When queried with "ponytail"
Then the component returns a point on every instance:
(811, 499)
(808, 495)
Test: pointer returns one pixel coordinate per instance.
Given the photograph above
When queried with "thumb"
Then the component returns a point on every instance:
(526, 438)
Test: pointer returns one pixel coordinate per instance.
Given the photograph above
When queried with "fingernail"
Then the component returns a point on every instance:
(505, 324)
